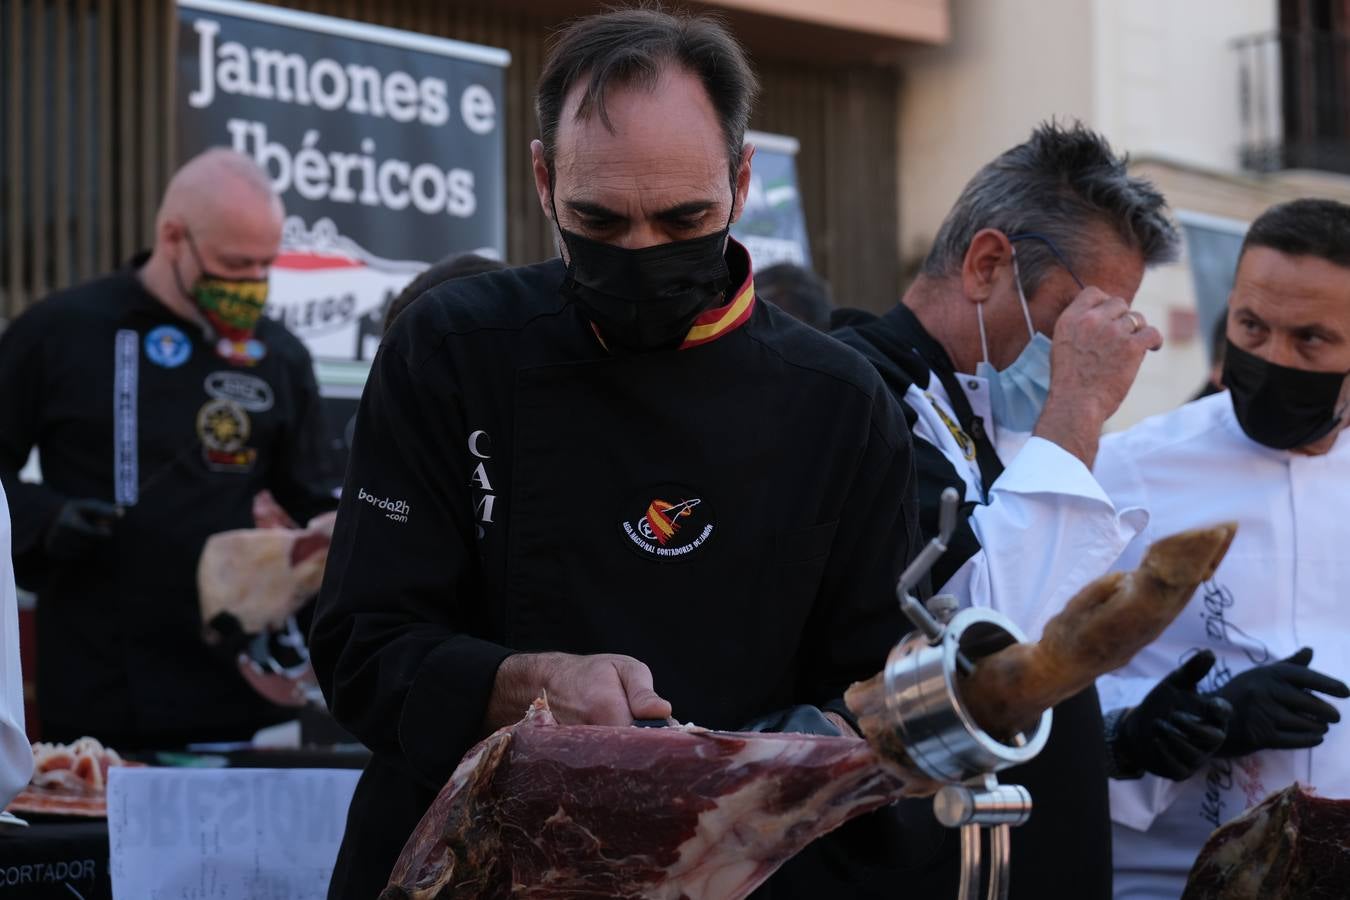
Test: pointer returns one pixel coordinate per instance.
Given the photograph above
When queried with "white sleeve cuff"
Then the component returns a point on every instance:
(1044, 467)
(1138, 802)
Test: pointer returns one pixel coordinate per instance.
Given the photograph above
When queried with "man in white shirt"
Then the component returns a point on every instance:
(1270, 455)
(1008, 352)
(16, 755)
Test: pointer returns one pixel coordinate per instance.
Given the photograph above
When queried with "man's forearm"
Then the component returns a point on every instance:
(1077, 431)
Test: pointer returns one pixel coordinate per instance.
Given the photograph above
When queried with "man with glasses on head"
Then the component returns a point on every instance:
(160, 401)
(1009, 351)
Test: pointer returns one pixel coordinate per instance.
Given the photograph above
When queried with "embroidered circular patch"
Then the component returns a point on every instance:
(668, 523)
(224, 428)
(167, 346)
(223, 425)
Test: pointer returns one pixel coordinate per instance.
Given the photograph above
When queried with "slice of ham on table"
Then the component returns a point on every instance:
(69, 779)
(540, 809)
(260, 576)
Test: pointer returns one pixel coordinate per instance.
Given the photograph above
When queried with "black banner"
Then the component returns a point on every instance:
(772, 224)
(386, 147)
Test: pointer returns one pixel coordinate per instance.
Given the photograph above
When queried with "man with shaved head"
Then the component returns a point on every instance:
(160, 402)
(615, 478)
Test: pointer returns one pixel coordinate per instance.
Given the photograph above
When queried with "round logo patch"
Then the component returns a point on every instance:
(223, 425)
(669, 523)
(167, 346)
(224, 429)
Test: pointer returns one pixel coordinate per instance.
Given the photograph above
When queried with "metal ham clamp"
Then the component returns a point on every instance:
(924, 701)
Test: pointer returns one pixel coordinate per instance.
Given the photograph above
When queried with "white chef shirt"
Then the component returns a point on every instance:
(1284, 584)
(16, 755)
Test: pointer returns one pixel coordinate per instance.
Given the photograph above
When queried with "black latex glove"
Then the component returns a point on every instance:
(79, 528)
(1174, 729)
(1273, 708)
(794, 720)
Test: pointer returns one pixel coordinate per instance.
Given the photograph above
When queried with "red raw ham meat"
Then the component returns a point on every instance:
(69, 779)
(1293, 846)
(542, 810)
(81, 766)
(546, 810)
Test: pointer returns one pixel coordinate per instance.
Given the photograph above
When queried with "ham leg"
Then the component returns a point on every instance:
(546, 810)
(1294, 845)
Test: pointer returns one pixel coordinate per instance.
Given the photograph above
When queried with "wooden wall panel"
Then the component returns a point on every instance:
(87, 124)
(845, 119)
(84, 154)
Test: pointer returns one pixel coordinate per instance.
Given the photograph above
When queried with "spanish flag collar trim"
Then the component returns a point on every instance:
(714, 323)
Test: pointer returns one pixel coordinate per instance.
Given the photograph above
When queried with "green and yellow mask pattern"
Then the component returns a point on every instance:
(233, 306)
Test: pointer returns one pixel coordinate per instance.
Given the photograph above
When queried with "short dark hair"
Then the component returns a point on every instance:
(458, 265)
(1053, 184)
(1305, 227)
(631, 47)
(797, 291)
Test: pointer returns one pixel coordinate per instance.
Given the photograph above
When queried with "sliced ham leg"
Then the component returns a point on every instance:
(1294, 845)
(546, 810)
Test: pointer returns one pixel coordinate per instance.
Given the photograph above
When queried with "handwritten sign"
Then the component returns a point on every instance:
(226, 834)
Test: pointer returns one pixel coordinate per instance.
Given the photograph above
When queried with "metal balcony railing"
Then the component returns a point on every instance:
(1294, 90)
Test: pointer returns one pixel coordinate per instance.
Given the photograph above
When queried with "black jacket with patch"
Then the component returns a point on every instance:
(120, 653)
(509, 487)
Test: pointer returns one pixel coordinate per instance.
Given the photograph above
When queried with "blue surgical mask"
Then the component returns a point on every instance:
(1017, 394)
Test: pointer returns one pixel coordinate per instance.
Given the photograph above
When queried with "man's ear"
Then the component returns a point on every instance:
(742, 182)
(989, 251)
(171, 234)
(542, 181)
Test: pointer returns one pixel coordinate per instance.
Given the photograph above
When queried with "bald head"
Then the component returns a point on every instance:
(220, 215)
(212, 184)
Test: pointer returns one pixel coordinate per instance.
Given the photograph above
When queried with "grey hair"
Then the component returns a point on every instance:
(1053, 185)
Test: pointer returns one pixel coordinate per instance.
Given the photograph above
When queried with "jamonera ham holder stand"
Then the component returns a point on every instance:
(923, 699)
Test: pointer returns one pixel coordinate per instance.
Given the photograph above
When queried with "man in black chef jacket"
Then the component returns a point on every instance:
(160, 403)
(614, 477)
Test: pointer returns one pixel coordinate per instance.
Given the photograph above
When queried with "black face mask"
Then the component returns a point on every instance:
(1277, 406)
(647, 299)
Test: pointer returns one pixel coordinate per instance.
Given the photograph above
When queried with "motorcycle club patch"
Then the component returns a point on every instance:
(224, 429)
(668, 523)
(249, 391)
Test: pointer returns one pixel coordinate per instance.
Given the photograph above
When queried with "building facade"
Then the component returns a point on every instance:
(1224, 104)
